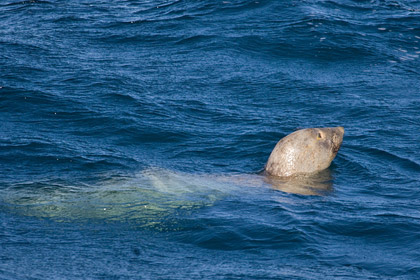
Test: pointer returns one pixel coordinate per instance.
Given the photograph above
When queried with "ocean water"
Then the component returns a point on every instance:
(133, 133)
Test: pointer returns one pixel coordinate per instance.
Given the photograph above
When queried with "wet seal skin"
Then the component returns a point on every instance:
(303, 152)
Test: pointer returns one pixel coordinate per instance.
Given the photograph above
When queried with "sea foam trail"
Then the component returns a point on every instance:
(150, 195)
(147, 197)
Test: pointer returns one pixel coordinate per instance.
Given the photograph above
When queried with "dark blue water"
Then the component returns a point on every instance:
(132, 134)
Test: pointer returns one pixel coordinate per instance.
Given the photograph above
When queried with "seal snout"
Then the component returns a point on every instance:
(338, 138)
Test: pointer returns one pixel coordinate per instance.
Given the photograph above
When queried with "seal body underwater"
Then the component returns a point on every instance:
(305, 151)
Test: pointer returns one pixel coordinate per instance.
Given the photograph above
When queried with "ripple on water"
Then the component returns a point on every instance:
(131, 134)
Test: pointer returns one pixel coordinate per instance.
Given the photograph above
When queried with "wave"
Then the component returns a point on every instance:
(404, 166)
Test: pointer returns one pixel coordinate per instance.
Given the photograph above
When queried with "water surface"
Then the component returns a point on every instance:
(132, 135)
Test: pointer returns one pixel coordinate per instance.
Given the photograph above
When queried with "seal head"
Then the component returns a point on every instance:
(305, 151)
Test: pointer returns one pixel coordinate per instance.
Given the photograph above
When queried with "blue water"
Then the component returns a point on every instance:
(132, 134)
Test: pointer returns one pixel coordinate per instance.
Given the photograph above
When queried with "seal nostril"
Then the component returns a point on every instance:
(336, 147)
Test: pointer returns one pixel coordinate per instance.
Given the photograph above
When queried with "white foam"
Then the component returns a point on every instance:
(147, 197)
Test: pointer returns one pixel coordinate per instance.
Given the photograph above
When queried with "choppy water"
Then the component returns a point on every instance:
(132, 134)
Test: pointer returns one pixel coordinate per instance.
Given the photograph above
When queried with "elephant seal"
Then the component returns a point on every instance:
(305, 151)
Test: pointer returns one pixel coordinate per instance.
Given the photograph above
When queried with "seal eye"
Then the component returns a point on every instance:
(319, 136)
